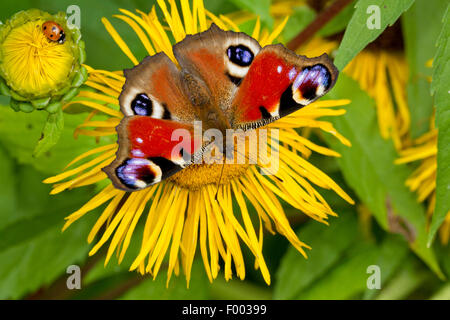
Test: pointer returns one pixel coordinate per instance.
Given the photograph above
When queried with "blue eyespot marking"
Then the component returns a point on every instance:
(240, 55)
(142, 105)
(136, 173)
(313, 81)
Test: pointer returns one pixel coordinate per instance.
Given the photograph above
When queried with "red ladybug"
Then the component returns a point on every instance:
(53, 31)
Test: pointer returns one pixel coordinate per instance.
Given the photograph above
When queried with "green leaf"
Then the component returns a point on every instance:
(106, 288)
(103, 278)
(51, 133)
(8, 196)
(29, 210)
(101, 271)
(393, 253)
(237, 289)
(177, 290)
(368, 167)
(297, 273)
(408, 278)
(440, 85)
(220, 6)
(29, 227)
(19, 133)
(357, 35)
(348, 277)
(33, 251)
(443, 253)
(420, 39)
(247, 26)
(41, 260)
(258, 7)
(443, 293)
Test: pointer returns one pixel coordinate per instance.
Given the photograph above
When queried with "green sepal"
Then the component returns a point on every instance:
(80, 77)
(17, 96)
(70, 94)
(26, 107)
(81, 53)
(40, 103)
(14, 104)
(54, 107)
(76, 34)
(4, 89)
(61, 92)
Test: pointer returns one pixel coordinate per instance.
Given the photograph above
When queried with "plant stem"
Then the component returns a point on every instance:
(120, 290)
(321, 20)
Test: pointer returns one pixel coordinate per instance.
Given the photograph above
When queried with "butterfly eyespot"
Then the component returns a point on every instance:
(311, 83)
(137, 173)
(142, 105)
(323, 75)
(240, 55)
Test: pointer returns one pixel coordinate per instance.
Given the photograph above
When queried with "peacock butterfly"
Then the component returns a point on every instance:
(225, 80)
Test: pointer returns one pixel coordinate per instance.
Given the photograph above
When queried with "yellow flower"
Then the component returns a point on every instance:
(423, 179)
(183, 211)
(23, 53)
(383, 74)
(36, 70)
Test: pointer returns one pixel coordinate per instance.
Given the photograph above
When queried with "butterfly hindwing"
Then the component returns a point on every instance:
(280, 82)
(150, 150)
(155, 103)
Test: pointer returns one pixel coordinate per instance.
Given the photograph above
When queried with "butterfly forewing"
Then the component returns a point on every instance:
(280, 82)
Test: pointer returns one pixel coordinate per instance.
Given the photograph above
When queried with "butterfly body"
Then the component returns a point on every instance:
(224, 80)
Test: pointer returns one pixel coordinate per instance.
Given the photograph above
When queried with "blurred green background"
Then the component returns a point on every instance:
(34, 254)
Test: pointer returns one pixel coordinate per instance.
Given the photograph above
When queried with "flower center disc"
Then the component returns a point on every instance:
(197, 176)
